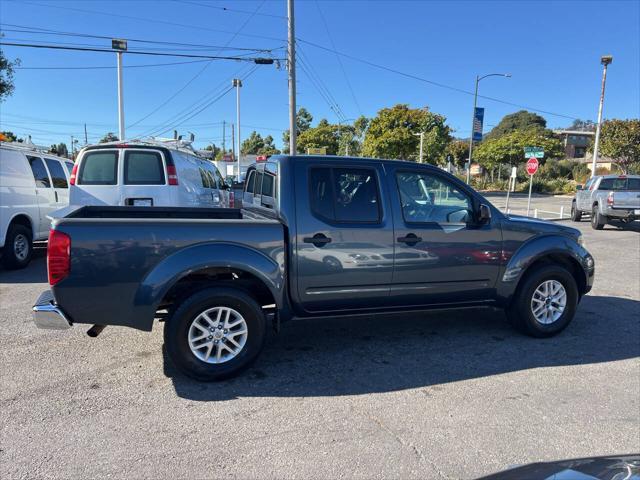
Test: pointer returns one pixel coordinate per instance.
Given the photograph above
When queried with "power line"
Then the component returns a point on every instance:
(431, 82)
(344, 73)
(144, 19)
(138, 52)
(112, 66)
(226, 9)
(200, 72)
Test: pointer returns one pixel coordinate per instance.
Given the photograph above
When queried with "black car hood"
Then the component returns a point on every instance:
(623, 467)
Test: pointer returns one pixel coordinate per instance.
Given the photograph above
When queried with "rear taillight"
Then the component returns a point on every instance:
(172, 175)
(58, 256)
(74, 172)
(232, 199)
(610, 198)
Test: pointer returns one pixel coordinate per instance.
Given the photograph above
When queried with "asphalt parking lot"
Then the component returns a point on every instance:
(439, 395)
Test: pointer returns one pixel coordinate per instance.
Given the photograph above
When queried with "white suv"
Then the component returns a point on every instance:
(32, 185)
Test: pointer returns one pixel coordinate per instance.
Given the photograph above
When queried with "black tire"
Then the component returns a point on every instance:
(17, 233)
(576, 215)
(597, 221)
(520, 312)
(176, 332)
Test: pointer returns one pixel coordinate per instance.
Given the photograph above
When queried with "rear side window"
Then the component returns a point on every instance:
(221, 182)
(257, 188)
(99, 168)
(206, 182)
(57, 173)
(268, 182)
(251, 181)
(143, 168)
(345, 194)
(39, 172)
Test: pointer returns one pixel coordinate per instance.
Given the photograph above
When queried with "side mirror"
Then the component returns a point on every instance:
(578, 187)
(484, 213)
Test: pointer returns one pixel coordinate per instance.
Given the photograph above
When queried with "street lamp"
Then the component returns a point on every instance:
(421, 135)
(605, 60)
(473, 115)
(237, 83)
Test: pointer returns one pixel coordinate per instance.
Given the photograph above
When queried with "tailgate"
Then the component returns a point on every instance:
(626, 200)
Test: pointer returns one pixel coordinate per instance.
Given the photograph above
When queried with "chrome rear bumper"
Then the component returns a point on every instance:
(46, 313)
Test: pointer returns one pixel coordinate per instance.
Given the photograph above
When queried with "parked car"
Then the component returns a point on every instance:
(608, 197)
(32, 185)
(147, 174)
(217, 277)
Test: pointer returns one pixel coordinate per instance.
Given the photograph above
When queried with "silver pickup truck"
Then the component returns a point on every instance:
(608, 197)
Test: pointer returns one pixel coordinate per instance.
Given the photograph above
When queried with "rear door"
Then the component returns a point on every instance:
(344, 239)
(59, 179)
(44, 192)
(143, 179)
(97, 178)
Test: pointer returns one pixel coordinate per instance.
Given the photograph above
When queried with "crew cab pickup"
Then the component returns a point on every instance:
(321, 237)
(608, 197)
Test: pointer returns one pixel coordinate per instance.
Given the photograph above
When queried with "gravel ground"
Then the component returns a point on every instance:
(439, 395)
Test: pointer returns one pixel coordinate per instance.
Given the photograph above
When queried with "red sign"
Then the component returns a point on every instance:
(532, 165)
(227, 158)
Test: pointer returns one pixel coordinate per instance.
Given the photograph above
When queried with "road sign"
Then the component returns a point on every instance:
(536, 152)
(532, 165)
(514, 172)
(119, 44)
(317, 151)
(478, 118)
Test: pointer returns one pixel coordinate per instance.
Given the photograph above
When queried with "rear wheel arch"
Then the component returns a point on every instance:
(24, 220)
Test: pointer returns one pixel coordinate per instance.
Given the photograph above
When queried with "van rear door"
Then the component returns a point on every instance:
(97, 178)
(143, 179)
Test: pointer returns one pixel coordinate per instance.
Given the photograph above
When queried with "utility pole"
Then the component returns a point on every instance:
(291, 55)
(71, 151)
(223, 138)
(86, 141)
(233, 142)
(421, 135)
(120, 46)
(605, 60)
(238, 83)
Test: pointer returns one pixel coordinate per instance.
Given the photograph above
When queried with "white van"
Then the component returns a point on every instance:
(146, 174)
(32, 185)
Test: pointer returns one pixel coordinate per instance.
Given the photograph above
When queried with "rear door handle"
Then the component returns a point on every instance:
(410, 239)
(56, 193)
(319, 240)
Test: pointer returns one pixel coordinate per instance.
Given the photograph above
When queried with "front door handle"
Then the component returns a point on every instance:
(56, 196)
(410, 239)
(319, 240)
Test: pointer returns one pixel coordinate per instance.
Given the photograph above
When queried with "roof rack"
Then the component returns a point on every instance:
(171, 143)
(27, 145)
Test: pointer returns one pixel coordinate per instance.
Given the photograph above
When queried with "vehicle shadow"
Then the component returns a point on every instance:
(35, 272)
(382, 354)
(618, 225)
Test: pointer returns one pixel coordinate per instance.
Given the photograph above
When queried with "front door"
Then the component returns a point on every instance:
(441, 254)
(44, 193)
(344, 242)
(59, 181)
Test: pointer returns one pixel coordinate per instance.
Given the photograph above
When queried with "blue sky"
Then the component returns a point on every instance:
(552, 50)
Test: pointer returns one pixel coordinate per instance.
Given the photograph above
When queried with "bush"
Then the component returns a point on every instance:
(558, 169)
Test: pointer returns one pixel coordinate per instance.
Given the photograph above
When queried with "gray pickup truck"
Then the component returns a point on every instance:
(608, 197)
(320, 237)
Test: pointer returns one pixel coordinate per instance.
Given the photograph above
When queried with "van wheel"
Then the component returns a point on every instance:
(597, 221)
(545, 302)
(215, 334)
(576, 215)
(18, 247)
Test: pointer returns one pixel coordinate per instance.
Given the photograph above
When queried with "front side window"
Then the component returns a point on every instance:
(427, 198)
(345, 194)
(99, 168)
(257, 188)
(69, 166)
(39, 172)
(57, 173)
(205, 179)
(221, 182)
(143, 168)
(251, 181)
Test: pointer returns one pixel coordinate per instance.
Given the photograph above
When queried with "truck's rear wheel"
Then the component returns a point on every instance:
(545, 302)
(598, 221)
(576, 215)
(215, 333)
(18, 247)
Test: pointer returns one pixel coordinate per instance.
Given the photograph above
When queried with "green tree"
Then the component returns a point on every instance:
(213, 149)
(6, 75)
(303, 123)
(322, 135)
(10, 137)
(392, 134)
(509, 148)
(252, 144)
(584, 125)
(62, 150)
(109, 137)
(269, 147)
(521, 120)
(459, 151)
(620, 140)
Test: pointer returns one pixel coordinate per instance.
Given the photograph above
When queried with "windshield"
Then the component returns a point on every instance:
(620, 184)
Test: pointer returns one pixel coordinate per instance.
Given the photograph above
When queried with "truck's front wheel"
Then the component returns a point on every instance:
(215, 333)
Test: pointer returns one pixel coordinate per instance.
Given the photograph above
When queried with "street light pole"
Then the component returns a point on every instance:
(421, 135)
(291, 56)
(605, 60)
(120, 99)
(238, 83)
(473, 116)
